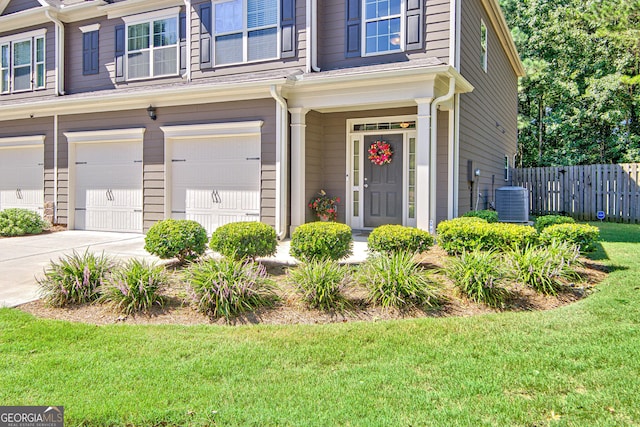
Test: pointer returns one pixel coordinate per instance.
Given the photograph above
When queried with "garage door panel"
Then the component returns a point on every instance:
(22, 178)
(217, 181)
(109, 187)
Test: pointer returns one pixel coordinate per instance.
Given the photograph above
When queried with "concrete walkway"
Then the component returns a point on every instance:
(22, 259)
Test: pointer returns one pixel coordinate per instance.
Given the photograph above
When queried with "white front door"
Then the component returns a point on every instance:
(216, 181)
(22, 178)
(108, 178)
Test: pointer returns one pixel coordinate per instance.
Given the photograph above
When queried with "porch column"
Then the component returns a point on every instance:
(424, 220)
(298, 177)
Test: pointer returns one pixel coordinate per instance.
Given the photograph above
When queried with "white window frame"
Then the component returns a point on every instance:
(150, 18)
(32, 37)
(484, 44)
(245, 34)
(363, 36)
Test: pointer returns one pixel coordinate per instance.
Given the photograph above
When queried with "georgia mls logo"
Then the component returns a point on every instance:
(31, 416)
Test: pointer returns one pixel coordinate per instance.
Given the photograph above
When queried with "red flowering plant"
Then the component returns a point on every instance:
(380, 153)
(325, 206)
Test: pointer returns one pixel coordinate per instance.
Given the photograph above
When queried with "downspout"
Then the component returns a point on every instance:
(281, 162)
(314, 36)
(433, 152)
(187, 4)
(59, 62)
(55, 168)
(308, 43)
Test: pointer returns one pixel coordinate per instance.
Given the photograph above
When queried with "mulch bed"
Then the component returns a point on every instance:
(289, 309)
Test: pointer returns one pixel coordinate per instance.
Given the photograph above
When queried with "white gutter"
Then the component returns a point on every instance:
(59, 57)
(187, 4)
(314, 36)
(281, 163)
(433, 151)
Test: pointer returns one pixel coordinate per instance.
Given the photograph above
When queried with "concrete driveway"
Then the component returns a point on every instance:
(24, 258)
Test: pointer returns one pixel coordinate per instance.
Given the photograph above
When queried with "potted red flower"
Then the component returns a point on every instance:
(324, 206)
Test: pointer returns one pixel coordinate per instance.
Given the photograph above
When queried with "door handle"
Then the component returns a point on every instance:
(366, 185)
(19, 194)
(215, 196)
(110, 196)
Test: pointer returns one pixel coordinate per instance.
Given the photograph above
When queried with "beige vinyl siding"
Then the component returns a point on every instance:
(331, 37)
(153, 157)
(326, 151)
(297, 61)
(493, 100)
(50, 65)
(20, 5)
(30, 127)
(442, 168)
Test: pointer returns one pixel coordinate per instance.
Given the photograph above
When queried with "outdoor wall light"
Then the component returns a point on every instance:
(477, 172)
(151, 110)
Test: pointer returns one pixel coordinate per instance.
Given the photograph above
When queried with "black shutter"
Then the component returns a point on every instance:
(120, 49)
(414, 25)
(288, 28)
(354, 25)
(205, 35)
(90, 53)
(182, 24)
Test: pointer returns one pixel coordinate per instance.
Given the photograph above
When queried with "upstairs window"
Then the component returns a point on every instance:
(245, 31)
(152, 48)
(383, 22)
(483, 46)
(22, 63)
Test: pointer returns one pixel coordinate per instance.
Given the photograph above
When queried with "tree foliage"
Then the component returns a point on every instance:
(579, 102)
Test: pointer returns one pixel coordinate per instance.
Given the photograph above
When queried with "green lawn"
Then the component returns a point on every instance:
(575, 366)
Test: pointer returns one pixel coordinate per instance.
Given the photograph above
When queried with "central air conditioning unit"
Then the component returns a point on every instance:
(512, 204)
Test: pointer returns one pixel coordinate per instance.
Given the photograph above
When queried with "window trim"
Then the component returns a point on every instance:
(363, 31)
(150, 18)
(245, 35)
(484, 46)
(32, 37)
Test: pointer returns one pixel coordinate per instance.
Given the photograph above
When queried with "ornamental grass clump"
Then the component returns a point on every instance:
(545, 269)
(134, 287)
(227, 287)
(321, 282)
(74, 279)
(396, 280)
(479, 275)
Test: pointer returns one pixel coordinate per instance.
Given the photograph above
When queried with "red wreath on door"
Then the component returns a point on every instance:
(380, 153)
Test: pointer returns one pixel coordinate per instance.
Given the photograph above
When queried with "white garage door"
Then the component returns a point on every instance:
(216, 181)
(22, 178)
(108, 183)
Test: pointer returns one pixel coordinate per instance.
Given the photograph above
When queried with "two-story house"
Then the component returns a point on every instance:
(117, 114)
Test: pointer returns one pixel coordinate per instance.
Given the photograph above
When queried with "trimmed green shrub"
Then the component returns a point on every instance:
(544, 268)
(320, 282)
(18, 222)
(584, 235)
(227, 287)
(396, 280)
(487, 215)
(397, 238)
(180, 238)
(467, 234)
(74, 279)
(478, 275)
(545, 221)
(321, 240)
(244, 240)
(134, 286)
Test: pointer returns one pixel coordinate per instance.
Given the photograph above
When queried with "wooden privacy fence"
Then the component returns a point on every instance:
(582, 191)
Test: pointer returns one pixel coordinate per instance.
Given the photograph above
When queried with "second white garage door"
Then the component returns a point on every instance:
(22, 178)
(216, 181)
(108, 183)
